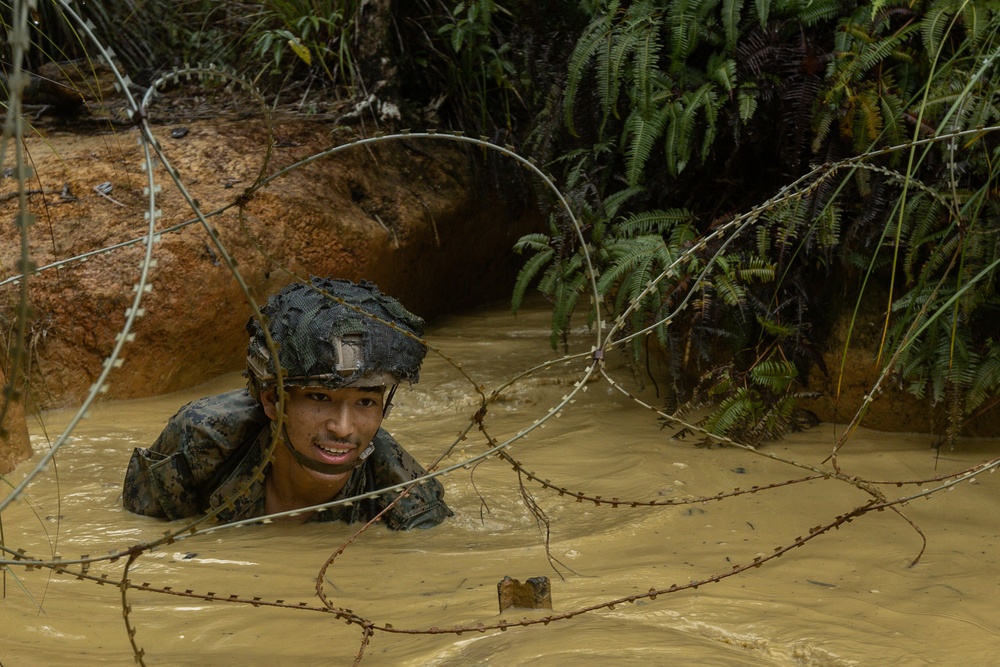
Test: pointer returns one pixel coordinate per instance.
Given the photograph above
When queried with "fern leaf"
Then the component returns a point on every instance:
(763, 11)
(614, 201)
(816, 11)
(731, 412)
(775, 375)
(938, 19)
(775, 329)
(528, 273)
(642, 133)
(731, 10)
(871, 57)
(986, 382)
(536, 242)
(731, 292)
(647, 55)
(593, 38)
(655, 221)
(722, 70)
(611, 67)
(747, 105)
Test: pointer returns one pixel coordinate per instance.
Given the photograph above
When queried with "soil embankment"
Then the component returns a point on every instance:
(417, 217)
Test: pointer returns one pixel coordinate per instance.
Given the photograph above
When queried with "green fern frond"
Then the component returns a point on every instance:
(658, 221)
(683, 31)
(747, 104)
(763, 244)
(763, 11)
(828, 226)
(558, 273)
(641, 133)
(647, 54)
(733, 294)
(681, 122)
(711, 125)
(755, 268)
(863, 122)
(594, 38)
(976, 20)
(722, 70)
(565, 298)
(635, 284)
(983, 111)
(882, 49)
(773, 374)
(536, 242)
(527, 274)
(817, 11)
(938, 19)
(945, 247)
(731, 412)
(625, 255)
(788, 220)
(776, 329)
(731, 10)
(985, 384)
(616, 200)
(775, 421)
(823, 122)
(610, 68)
(891, 108)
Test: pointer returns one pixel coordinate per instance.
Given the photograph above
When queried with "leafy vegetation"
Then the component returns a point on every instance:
(709, 108)
(313, 34)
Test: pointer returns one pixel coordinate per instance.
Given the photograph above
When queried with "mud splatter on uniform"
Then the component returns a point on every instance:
(213, 448)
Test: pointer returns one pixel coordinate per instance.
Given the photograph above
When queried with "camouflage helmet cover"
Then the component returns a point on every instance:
(323, 342)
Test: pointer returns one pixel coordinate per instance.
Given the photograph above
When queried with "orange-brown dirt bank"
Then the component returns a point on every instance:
(421, 218)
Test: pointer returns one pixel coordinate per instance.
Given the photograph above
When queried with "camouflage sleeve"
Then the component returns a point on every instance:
(159, 481)
(423, 506)
(170, 478)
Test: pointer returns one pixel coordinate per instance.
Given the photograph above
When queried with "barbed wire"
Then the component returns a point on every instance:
(591, 367)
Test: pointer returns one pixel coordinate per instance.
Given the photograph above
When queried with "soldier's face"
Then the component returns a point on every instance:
(329, 425)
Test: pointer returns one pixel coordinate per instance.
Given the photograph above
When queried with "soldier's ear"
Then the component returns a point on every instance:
(268, 399)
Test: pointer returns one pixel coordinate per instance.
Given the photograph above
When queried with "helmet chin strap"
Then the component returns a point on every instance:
(325, 468)
(387, 407)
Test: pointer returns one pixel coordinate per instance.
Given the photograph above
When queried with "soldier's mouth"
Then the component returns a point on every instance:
(335, 453)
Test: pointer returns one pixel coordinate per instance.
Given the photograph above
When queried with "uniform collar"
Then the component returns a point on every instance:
(242, 494)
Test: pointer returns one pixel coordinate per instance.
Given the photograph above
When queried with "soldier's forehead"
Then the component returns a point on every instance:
(338, 390)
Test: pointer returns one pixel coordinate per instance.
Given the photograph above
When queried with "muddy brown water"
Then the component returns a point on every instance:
(849, 597)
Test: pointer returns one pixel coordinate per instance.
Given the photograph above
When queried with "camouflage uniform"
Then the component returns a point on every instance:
(213, 446)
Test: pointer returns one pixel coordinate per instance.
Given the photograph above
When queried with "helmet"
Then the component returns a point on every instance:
(326, 337)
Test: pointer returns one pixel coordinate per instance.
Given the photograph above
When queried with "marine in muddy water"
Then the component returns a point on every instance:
(340, 370)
